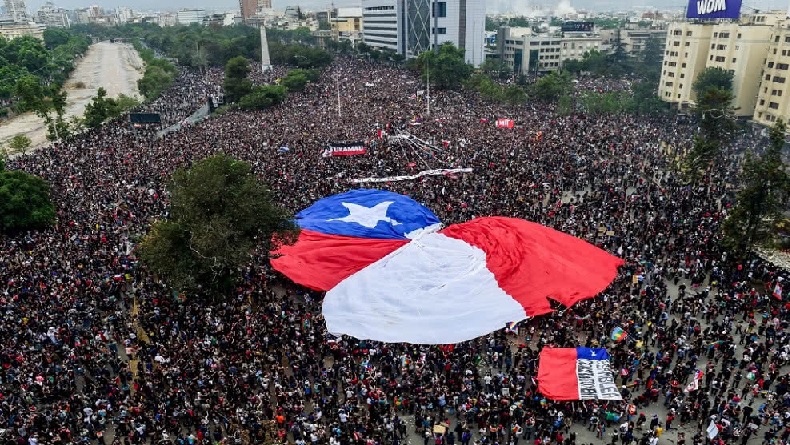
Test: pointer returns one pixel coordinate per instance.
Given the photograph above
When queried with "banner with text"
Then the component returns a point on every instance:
(345, 149)
(714, 9)
(576, 374)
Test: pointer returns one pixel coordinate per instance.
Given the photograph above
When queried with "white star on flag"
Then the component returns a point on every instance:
(367, 216)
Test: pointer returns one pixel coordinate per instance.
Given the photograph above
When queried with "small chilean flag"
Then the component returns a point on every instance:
(777, 293)
(576, 374)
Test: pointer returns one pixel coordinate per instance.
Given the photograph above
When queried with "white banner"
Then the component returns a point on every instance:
(437, 172)
(596, 381)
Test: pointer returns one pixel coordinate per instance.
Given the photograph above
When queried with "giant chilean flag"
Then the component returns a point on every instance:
(576, 374)
(393, 274)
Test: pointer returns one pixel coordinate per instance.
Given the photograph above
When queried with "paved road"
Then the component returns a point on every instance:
(114, 66)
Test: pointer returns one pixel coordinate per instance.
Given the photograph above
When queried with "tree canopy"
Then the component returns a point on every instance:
(236, 83)
(24, 201)
(762, 199)
(37, 69)
(446, 68)
(219, 213)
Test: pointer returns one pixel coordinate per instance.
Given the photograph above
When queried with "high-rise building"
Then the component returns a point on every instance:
(17, 10)
(382, 24)
(410, 27)
(248, 8)
(264, 5)
(772, 96)
(738, 47)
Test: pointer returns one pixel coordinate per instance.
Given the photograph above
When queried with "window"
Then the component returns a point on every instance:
(671, 74)
(724, 35)
(683, 65)
(669, 84)
(782, 66)
(720, 58)
(439, 30)
(778, 79)
(762, 102)
(787, 39)
(770, 64)
(776, 93)
(675, 43)
(682, 75)
(440, 9)
(688, 33)
(734, 59)
(721, 47)
(712, 46)
(715, 35)
(739, 35)
(677, 32)
(688, 43)
(773, 106)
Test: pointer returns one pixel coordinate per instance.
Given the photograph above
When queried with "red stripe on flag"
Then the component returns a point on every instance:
(557, 374)
(321, 261)
(532, 262)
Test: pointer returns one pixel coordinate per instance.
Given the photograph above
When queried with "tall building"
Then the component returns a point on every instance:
(248, 8)
(738, 47)
(52, 17)
(410, 27)
(773, 96)
(685, 56)
(381, 24)
(264, 5)
(16, 10)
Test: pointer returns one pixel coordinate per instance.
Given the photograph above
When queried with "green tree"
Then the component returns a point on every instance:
(263, 97)
(712, 78)
(99, 110)
(236, 83)
(714, 112)
(29, 92)
(551, 87)
(496, 69)
(24, 202)
(54, 37)
(762, 198)
(154, 81)
(219, 212)
(294, 80)
(19, 143)
(447, 68)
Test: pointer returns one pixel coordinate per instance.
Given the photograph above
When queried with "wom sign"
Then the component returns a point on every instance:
(714, 9)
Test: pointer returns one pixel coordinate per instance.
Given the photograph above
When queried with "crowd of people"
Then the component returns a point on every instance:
(96, 350)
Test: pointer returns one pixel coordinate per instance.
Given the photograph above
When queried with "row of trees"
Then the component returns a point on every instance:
(239, 89)
(200, 46)
(159, 73)
(32, 71)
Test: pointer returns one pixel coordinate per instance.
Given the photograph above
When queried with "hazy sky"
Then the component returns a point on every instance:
(494, 6)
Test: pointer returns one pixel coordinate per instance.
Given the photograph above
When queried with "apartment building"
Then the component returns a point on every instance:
(751, 49)
(772, 96)
(529, 53)
(685, 56)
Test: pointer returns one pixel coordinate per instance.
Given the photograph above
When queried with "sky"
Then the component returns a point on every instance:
(494, 6)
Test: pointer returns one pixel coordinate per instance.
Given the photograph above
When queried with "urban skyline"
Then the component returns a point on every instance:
(493, 7)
